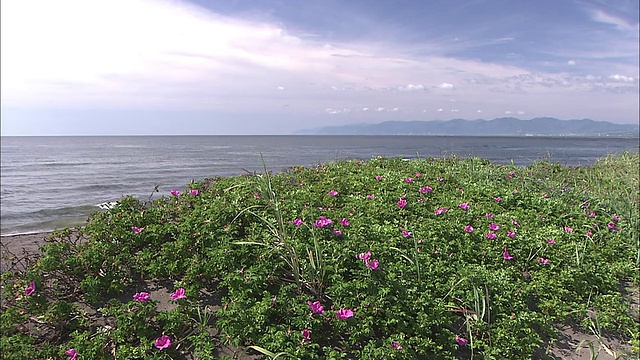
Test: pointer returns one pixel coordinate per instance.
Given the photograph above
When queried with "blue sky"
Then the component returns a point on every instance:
(79, 67)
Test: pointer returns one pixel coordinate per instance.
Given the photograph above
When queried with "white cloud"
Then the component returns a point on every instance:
(412, 87)
(440, 110)
(571, 62)
(280, 87)
(479, 111)
(619, 23)
(332, 111)
(365, 109)
(380, 109)
(455, 110)
(507, 112)
(395, 109)
(445, 85)
(621, 78)
(520, 112)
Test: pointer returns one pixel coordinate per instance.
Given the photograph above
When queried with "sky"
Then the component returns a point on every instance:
(151, 67)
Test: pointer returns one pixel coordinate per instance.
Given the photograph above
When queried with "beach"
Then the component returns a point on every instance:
(16, 248)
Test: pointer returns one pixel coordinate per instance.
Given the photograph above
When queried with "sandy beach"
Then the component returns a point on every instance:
(15, 249)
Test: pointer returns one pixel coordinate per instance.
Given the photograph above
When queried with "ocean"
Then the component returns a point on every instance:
(55, 182)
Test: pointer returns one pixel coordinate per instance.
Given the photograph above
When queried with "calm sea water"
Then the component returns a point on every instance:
(52, 182)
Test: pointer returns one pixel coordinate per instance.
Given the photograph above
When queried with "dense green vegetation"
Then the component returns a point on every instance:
(430, 259)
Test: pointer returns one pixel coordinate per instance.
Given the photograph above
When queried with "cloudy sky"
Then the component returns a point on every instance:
(273, 67)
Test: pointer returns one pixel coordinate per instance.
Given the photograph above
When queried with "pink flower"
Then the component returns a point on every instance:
(464, 206)
(545, 195)
(494, 227)
(141, 297)
(322, 222)
(490, 216)
(511, 234)
(332, 193)
(30, 289)
(364, 256)
(378, 177)
(193, 192)
(402, 203)
(163, 342)
(425, 189)
(616, 218)
(73, 354)
(256, 196)
(137, 230)
(612, 226)
(441, 210)
(179, 294)
(344, 222)
(551, 241)
(374, 264)
(491, 236)
(408, 180)
(371, 196)
(461, 341)
(418, 174)
(306, 334)
(498, 199)
(515, 191)
(440, 179)
(592, 214)
(297, 222)
(514, 223)
(506, 255)
(568, 229)
(420, 201)
(316, 307)
(406, 233)
(543, 261)
(468, 229)
(337, 232)
(344, 314)
(174, 192)
(396, 346)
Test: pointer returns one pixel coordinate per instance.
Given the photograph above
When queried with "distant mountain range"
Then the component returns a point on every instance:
(506, 126)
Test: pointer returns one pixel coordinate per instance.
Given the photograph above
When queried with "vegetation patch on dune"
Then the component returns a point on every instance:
(442, 258)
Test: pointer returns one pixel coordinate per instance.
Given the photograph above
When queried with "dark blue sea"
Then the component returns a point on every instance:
(54, 182)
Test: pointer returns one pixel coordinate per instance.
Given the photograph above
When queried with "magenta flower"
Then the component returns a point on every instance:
(498, 199)
(461, 341)
(193, 192)
(163, 342)
(494, 227)
(364, 256)
(408, 180)
(141, 297)
(441, 210)
(316, 307)
(440, 179)
(418, 174)
(588, 234)
(543, 261)
(468, 229)
(344, 314)
(491, 236)
(306, 334)
(337, 232)
(506, 255)
(489, 215)
(297, 222)
(332, 193)
(73, 354)
(137, 230)
(179, 294)
(420, 201)
(425, 189)
(616, 218)
(374, 264)
(515, 191)
(592, 214)
(174, 192)
(551, 241)
(545, 195)
(322, 222)
(568, 229)
(371, 196)
(511, 234)
(396, 346)
(514, 223)
(256, 196)
(344, 222)
(464, 206)
(402, 203)
(31, 289)
(378, 177)
(406, 233)
(612, 226)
